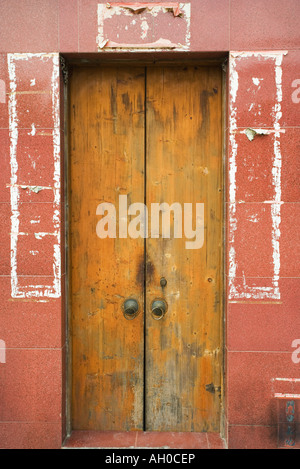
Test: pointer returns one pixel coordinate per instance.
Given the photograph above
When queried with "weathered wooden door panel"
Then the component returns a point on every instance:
(106, 159)
(153, 134)
(184, 165)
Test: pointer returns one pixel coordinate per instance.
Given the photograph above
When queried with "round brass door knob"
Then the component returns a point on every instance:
(158, 309)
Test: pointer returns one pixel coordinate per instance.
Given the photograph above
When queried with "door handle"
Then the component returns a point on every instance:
(159, 308)
(130, 308)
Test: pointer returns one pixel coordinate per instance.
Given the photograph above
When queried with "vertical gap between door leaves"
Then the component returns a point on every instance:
(145, 252)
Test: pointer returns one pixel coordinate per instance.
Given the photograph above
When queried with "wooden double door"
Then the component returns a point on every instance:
(153, 134)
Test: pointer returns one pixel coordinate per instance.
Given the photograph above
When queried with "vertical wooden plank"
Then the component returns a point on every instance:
(106, 160)
(184, 165)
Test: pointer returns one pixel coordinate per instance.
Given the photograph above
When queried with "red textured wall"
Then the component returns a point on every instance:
(262, 201)
(263, 244)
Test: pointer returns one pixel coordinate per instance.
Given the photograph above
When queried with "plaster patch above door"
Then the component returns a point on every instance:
(130, 26)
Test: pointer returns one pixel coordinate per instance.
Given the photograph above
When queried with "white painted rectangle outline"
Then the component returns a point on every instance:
(255, 292)
(283, 395)
(42, 290)
(280, 395)
(106, 12)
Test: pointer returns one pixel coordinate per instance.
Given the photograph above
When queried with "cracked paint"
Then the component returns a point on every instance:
(134, 25)
(240, 291)
(251, 133)
(28, 290)
(138, 7)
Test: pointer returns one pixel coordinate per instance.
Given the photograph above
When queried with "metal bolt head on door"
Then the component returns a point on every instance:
(163, 282)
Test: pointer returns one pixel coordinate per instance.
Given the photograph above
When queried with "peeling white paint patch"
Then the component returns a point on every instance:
(42, 234)
(36, 220)
(33, 130)
(2, 92)
(159, 44)
(281, 395)
(103, 43)
(256, 81)
(137, 7)
(243, 290)
(2, 352)
(290, 383)
(251, 133)
(253, 218)
(266, 54)
(23, 289)
(35, 189)
(150, 11)
(289, 380)
(145, 29)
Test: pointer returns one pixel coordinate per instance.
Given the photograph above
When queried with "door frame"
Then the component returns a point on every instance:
(67, 62)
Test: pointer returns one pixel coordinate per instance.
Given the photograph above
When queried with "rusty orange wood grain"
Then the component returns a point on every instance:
(184, 164)
(154, 134)
(106, 159)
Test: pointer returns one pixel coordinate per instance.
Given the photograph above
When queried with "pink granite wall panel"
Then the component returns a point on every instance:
(29, 26)
(263, 318)
(68, 25)
(264, 25)
(30, 246)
